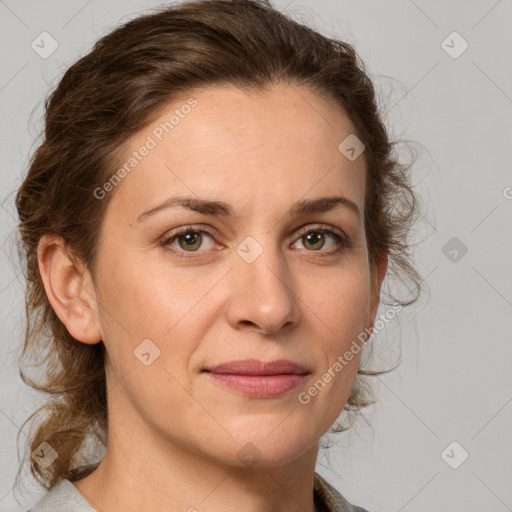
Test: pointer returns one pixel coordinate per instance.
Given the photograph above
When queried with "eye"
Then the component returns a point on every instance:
(187, 239)
(315, 239)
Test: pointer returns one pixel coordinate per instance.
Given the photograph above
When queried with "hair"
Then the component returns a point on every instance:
(112, 93)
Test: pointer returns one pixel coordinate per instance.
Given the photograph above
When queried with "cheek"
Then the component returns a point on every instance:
(340, 302)
(135, 297)
(139, 302)
(340, 313)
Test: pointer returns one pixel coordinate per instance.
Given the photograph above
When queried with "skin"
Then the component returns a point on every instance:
(175, 435)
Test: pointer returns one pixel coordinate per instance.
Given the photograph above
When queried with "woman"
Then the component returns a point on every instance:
(206, 228)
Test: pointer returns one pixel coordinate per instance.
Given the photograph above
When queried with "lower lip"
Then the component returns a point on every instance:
(260, 386)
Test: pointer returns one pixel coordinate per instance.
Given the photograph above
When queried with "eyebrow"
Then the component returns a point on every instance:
(219, 208)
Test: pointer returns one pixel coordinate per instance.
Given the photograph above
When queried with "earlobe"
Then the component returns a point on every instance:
(69, 289)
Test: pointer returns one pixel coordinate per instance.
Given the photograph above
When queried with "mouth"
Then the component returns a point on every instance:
(258, 379)
(255, 367)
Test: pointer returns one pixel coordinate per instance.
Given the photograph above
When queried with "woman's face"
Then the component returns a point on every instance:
(254, 278)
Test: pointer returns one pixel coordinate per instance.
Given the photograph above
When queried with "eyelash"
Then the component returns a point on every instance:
(342, 240)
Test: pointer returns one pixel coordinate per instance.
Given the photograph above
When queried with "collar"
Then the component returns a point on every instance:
(328, 499)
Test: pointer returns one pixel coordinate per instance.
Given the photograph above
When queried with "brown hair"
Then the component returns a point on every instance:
(109, 95)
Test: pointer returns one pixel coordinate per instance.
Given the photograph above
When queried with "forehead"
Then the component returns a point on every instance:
(262, 147)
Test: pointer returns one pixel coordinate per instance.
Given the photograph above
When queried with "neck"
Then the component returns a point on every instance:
(157, 473)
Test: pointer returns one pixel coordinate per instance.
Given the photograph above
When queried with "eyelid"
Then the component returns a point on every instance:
(189, 227)
(320, 226)
(298, 231)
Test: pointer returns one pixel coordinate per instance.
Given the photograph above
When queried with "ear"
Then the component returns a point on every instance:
(378, 273)
(69, 288)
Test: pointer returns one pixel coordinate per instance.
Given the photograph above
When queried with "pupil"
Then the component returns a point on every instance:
(191, 239)
(314, 238)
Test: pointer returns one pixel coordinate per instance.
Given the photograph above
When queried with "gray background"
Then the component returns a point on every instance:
(454, 383)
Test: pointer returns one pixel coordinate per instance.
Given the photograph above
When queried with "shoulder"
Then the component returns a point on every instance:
(328, 499)
(63, 497)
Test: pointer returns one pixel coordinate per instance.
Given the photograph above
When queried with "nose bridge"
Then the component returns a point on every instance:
(261, 258)
(263, 293)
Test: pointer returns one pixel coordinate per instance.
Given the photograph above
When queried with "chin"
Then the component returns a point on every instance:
(264, 446)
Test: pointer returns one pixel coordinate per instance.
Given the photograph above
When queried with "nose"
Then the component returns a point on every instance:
(262, 293)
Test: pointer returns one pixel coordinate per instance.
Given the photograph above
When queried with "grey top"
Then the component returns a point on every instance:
(64, 497)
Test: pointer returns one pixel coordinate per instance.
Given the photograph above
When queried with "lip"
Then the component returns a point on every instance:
(255, 367)
(258, 379)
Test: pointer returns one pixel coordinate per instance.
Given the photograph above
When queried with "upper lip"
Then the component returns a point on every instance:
(255, 367)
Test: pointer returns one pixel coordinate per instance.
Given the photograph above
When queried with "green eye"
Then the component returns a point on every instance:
(314, 239)
(188, 239)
